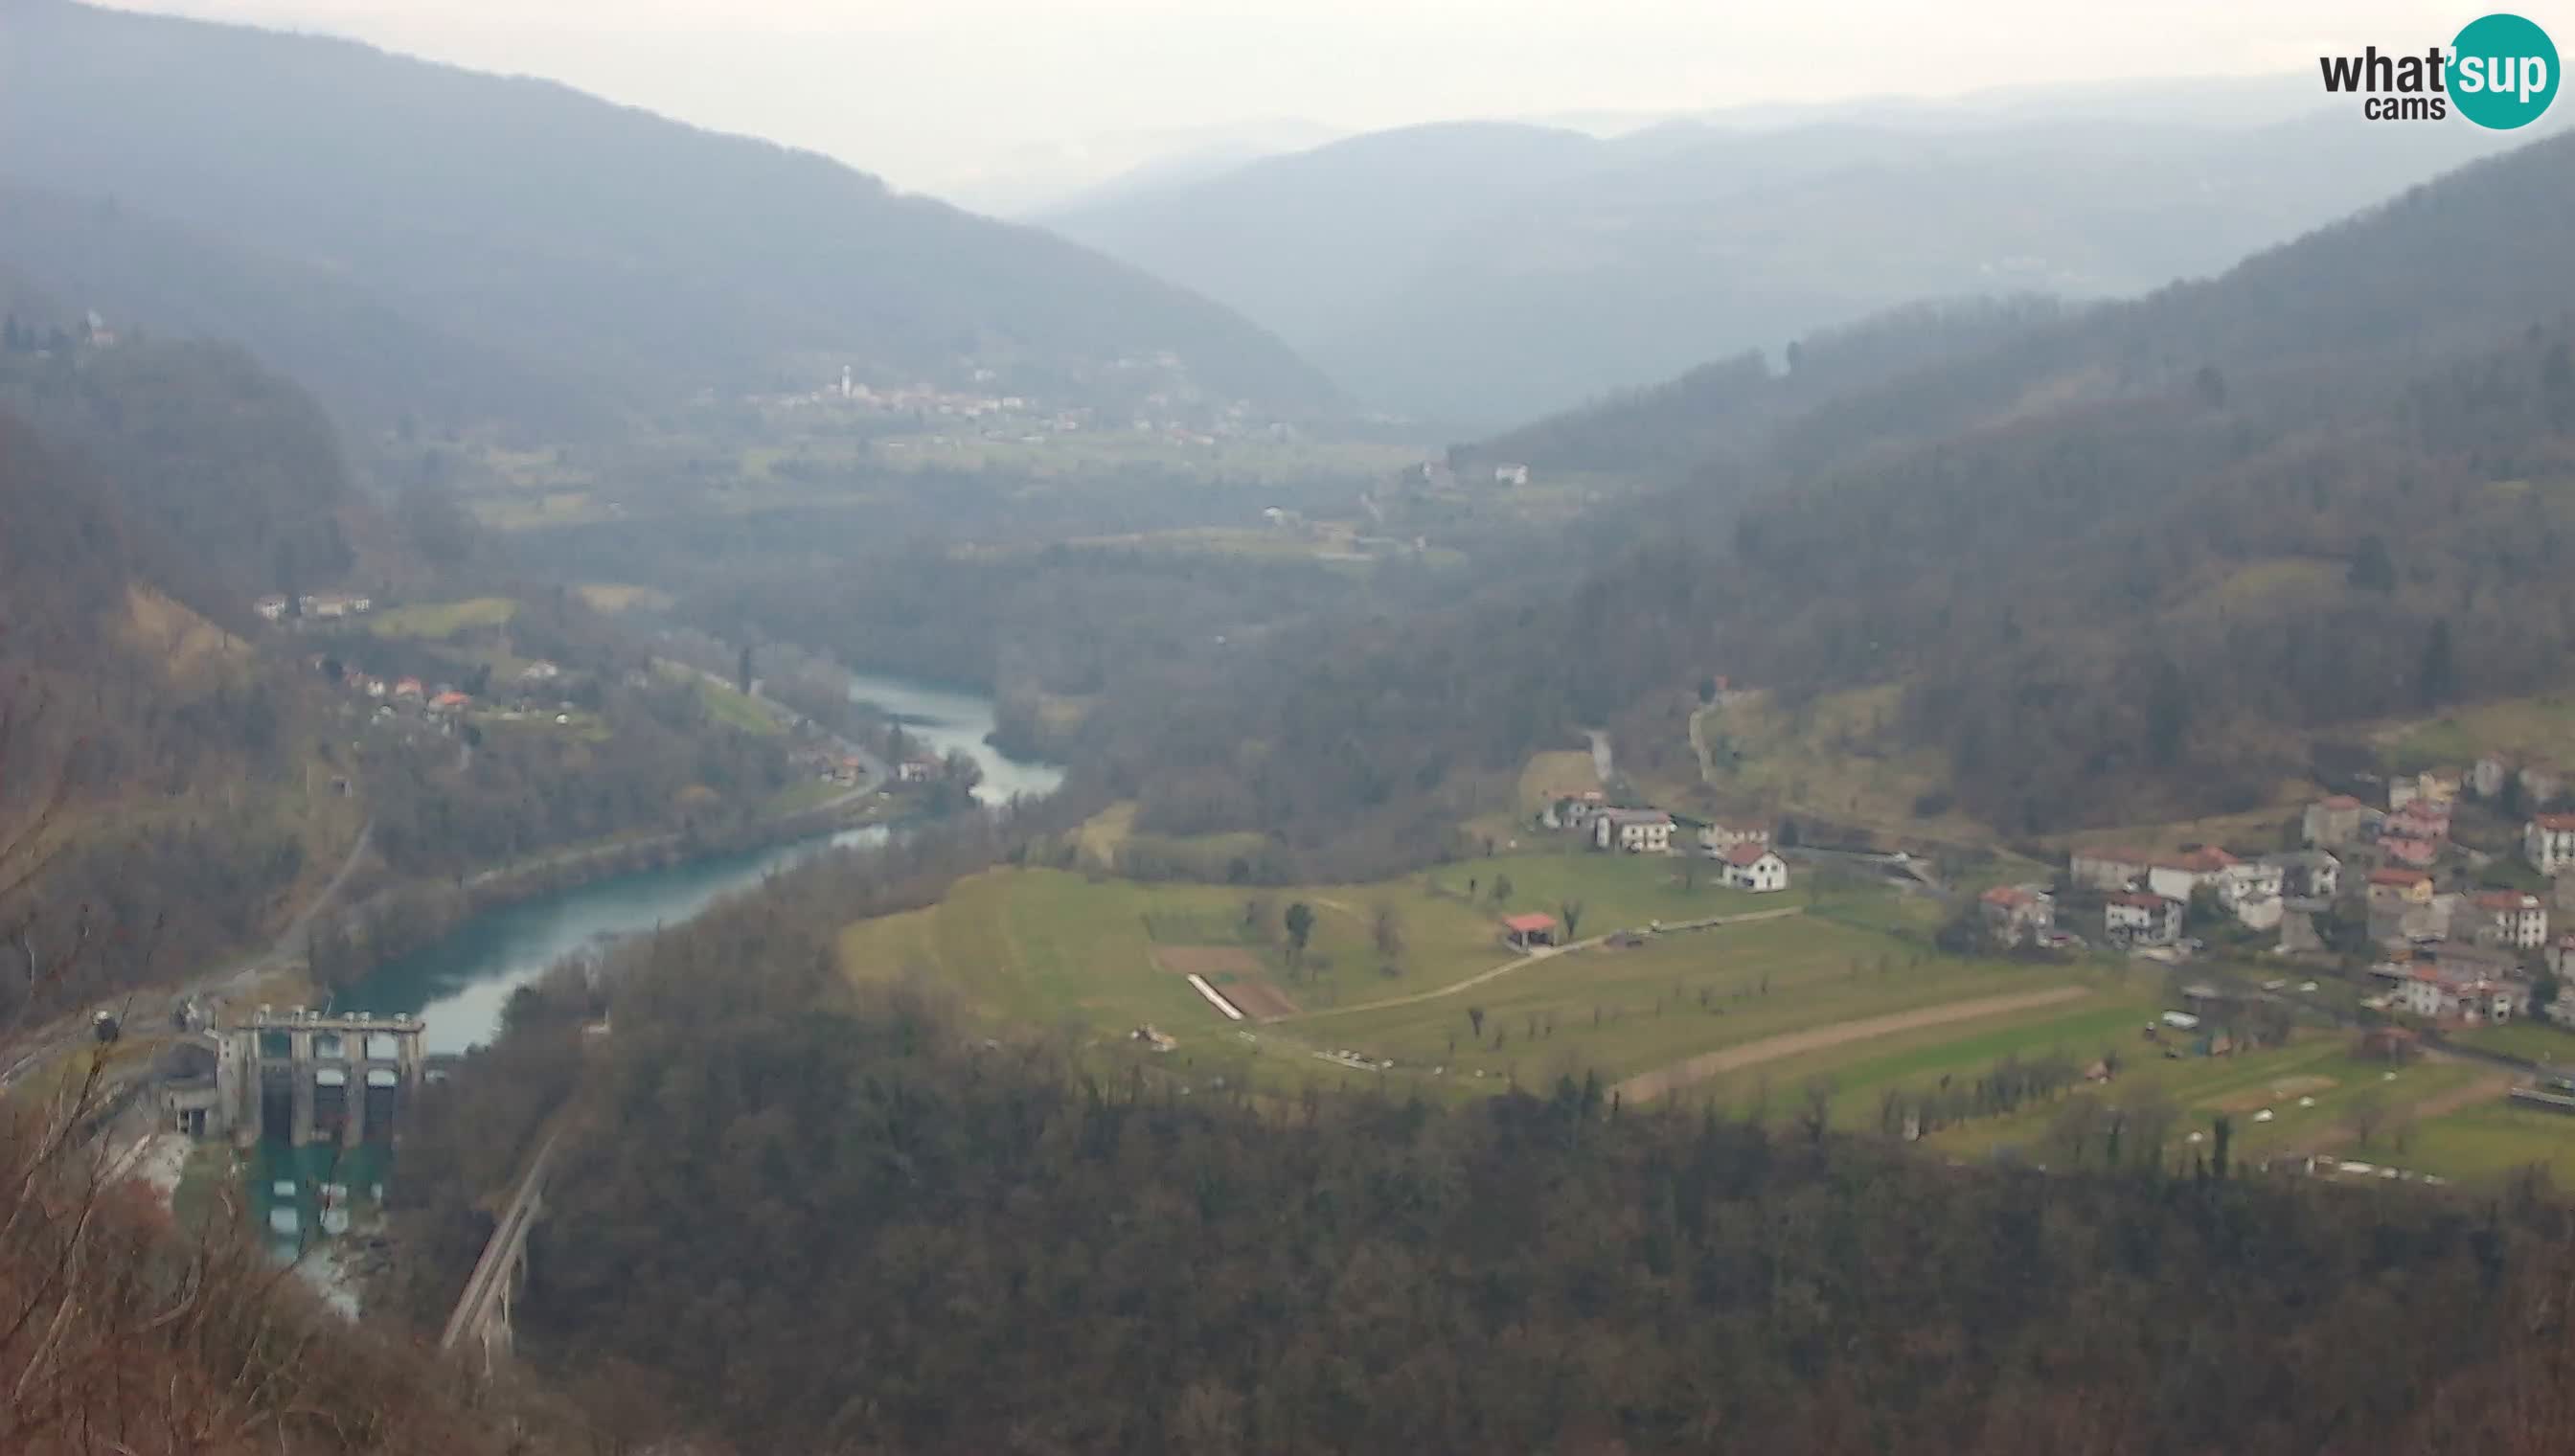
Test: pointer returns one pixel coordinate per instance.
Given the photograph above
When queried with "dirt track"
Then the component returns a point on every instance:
(2457, 1100)
(1646, 1087)
(1548, 952)
(1258, 999)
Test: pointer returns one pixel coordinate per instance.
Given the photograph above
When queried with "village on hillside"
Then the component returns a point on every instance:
(2451, 935)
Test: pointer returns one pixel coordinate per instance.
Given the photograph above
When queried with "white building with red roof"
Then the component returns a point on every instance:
(2548, 843)
(2018, 912)
(2108, 868)
(1633, 830)
(1753, 866)
(2208, 868)
(2141, 918)
(2462, 993)
(2514, 919)
(2335, 820)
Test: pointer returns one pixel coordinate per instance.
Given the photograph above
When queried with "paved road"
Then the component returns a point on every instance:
(293, 937)
(1652, 1084)
(53, 1042)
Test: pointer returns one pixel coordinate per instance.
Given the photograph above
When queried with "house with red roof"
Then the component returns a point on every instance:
(2399, 885)
(1570, 808)
(2335, 820)
(2174, 877)
(2018, 913)
(2109, 869)
(1526, 931)
(1754, 867)
(2141, 918)
(2409, 851)
(2416, 834)
(1633, 831)
(2548, 843)
(2465, 993)
(2511, 919)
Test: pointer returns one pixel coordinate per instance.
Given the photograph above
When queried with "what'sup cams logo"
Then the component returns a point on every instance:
(2501, 73)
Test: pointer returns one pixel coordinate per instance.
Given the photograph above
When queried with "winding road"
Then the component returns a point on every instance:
(52, 1042)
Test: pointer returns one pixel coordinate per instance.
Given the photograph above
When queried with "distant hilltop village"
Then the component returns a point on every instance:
(1173, 408)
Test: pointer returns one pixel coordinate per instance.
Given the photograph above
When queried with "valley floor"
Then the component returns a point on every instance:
(1782, 1001)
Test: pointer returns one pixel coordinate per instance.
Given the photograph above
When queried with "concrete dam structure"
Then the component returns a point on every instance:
(306, 1076)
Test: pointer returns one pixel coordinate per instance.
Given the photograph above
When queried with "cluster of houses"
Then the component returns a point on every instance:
(441, 703)
(314, 605)
(1439, 475)
(1743, 853)
(829, 762)
(2459, 956)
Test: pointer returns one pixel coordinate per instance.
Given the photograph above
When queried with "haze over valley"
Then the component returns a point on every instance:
(1878, 765)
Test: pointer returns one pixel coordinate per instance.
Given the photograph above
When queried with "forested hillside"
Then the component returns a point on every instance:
(115, 697)
(1111, 1265)
(1721, 410)
(2119, 555)
(236, 472)
(597, 243)
(381, 371)
(199, 773)
(2123, 564)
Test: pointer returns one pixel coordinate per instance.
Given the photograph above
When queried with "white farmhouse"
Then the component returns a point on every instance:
(2548, 843)
(1757, 867)
(2140, 917)
(2511, 919)
(1633, 831)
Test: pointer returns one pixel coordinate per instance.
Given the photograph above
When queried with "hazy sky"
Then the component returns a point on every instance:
(963, 96)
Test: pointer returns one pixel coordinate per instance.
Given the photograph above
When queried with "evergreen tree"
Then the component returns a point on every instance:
(2438, 680)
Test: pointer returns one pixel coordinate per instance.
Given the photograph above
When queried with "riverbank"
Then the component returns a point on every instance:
(452, 951)
(346, 948)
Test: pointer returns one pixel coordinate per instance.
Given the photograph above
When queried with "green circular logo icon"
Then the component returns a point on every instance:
(2503, 72)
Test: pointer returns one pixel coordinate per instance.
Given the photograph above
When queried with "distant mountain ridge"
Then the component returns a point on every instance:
(374, 364)
(1508, 270)
(610, 248)
(1305, 239)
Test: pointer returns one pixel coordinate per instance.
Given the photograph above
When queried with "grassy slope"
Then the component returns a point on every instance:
(2492, 1141)
(2537, 1041)
(1051, 947)
(438, 620)
(2541, 729)
(1826, 761)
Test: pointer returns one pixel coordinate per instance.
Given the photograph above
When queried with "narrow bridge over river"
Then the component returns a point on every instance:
(481, 1321)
